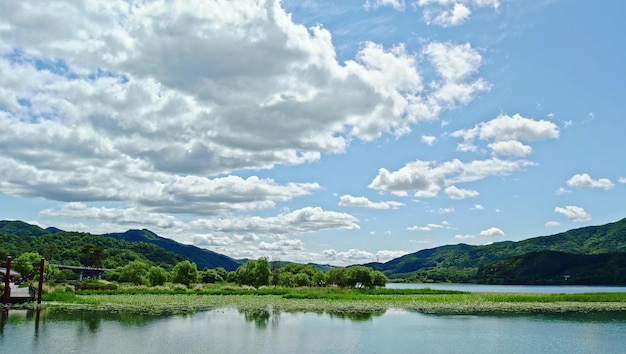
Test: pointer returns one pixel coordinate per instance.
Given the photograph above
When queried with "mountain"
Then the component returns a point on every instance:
(463, 260)
(18, 237)
(20, 228)
(202, 257)
(551, 267)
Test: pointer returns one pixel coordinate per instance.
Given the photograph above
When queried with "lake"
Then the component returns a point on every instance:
(229, 330)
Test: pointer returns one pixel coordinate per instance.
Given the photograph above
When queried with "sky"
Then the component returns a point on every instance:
(334, 132)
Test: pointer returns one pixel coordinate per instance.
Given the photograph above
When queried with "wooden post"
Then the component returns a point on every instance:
(41, 275)
(7, 282)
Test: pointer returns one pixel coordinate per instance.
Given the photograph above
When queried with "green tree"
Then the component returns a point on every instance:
(319, 278)
(134, 272)
(3, 256)
(27, 264)
(378, 279)
(263, 273)
(157, 276)
(360, 277)
(210, 276)
(185, 272)
(92, 256)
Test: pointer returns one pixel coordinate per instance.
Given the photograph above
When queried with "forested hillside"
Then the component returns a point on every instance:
(109, 251)
(460, 262)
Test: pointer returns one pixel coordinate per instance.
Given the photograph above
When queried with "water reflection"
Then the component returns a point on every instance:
(228, 330)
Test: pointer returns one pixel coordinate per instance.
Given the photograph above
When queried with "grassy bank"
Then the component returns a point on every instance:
(333, 300)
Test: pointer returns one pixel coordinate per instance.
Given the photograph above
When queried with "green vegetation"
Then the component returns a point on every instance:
(460, 263)
(549, 267)
(329, 299)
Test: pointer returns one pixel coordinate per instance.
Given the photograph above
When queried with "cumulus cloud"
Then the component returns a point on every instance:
(574, 213)
(553, 224)
(305, 220)
(506, 131)
(622, 180)
(477, 207)
(348, 200)
(451, 12)
(429, 227)
(458, 14)
(457, 193)
(584, 180)
(427, 178)
(493, 231)
(353, 256)
(510, 148)
(147, 104)
(428, 140)
(490, 232)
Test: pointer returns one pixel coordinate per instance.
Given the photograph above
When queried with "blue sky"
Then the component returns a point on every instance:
(314, 131)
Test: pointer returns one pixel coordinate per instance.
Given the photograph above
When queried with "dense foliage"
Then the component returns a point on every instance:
(549, 267)
(459, 263)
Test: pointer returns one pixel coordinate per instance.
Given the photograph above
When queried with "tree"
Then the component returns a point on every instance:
(360, 277)
(134, 272)
(256, 273)
(157, 276)
(210, 276)
(319, 279)
(3, 256)
(92, 256)
(185, 272)
(27, 263)
(263, 273)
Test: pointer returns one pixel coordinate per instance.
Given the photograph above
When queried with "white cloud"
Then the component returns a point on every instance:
(428, 140)
(458, 14)
(147, 104)
(353, 256)
(574, 213)
(451, 12)
(510, 148)
(622, 180)
(493, 231)
(506, 131)
(427, 178)
(443, 211)
(348, 200)
(584, 180)
(304, 220)
(553, 224)
(429, 227)
(490, 232)
(396, 4)
(561, 191)
(457, 193)
(477, 207)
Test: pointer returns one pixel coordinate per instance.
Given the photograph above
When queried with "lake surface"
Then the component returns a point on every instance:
(543, 289)
(231, 331)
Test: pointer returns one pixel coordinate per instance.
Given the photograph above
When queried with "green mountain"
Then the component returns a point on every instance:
(550, 267)
(20, 228)
(202, 257)
(17, 237)
(460, 262)
(72, 248)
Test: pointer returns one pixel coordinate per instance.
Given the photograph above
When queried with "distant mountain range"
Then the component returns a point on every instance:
(461, 262)
(587, 255)
(202, 257)
(154, 248)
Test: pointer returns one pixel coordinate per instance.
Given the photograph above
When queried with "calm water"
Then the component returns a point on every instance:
(232, 331)
(543, 289)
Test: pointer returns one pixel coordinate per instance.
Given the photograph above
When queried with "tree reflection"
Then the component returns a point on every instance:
(357, 316)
